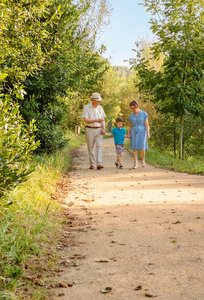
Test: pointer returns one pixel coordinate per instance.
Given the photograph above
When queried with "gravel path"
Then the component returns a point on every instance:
(137, 233)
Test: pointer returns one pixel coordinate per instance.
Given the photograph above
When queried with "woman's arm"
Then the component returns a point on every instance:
(147, 128)
(130, 126)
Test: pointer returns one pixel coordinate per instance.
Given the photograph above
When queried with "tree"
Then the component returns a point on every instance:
(72, 66)
(177, 88)
(48, 53)
(21, 35)
(19, 56)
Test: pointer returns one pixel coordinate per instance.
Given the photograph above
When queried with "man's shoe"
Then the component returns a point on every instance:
(92, 167)
(121, 167)
(116, 164)
(99, 167)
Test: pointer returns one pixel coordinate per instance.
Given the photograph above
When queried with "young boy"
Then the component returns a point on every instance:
(119, 135)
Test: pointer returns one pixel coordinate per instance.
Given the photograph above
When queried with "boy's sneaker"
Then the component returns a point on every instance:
(121, 167)
(117, 165)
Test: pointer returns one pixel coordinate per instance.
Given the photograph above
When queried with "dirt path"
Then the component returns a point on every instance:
(139, 232)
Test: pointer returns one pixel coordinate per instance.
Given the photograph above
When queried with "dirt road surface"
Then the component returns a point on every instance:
(136, 234)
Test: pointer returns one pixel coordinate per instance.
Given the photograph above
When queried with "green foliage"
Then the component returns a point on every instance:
(47, 120)
(21, 36)
(177, 87)
(17, 144)
(32, 221)
(48, 52)
(165, 134)
(166, 159)
(72, 66)
(110, 88)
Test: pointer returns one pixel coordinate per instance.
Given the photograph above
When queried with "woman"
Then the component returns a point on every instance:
(138, 132)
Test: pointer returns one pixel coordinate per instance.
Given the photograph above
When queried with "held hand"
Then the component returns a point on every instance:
(99, 120)
(128, 136)
(103, 131)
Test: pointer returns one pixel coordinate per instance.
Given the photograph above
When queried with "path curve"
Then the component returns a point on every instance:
(139, 232)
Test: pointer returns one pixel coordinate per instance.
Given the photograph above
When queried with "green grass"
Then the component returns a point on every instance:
(166, 160)
(27, 225)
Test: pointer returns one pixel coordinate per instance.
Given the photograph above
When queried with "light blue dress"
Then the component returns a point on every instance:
(138, 133)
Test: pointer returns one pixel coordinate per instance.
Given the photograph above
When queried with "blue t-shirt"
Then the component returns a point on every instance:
(119, 135)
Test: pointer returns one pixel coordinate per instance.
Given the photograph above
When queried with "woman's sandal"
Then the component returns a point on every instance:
(143, 164)
(135, 166)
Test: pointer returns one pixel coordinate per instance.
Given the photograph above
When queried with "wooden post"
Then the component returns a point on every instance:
(77, 129)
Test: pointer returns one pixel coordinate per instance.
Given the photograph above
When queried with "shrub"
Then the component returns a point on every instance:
(16, 144)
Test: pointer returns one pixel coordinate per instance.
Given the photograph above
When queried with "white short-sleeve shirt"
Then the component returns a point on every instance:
(91, 112)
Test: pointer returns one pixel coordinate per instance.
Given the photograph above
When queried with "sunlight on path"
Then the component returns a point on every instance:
(147, 184)
(138, 232)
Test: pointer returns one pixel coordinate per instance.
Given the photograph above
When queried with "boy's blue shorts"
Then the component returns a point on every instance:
(119, 148)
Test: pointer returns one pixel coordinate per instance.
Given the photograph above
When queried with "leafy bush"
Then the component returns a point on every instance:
(47, 120)
(16, 143)
(29, 225)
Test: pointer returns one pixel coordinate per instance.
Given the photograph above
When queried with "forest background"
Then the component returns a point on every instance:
(50, 65)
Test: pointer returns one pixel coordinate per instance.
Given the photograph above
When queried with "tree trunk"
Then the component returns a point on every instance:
(174, 137)
(181, 136)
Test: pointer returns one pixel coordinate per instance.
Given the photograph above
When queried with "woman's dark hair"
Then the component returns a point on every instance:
(134, 103)
(119, 119)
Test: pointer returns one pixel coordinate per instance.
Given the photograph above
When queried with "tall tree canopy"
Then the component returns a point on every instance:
(177, 87)
(48, 53)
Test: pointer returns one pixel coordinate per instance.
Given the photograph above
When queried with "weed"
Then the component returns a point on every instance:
(166, 160)
(28, 219)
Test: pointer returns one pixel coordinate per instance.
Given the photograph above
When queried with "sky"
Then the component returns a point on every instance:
(128, 23)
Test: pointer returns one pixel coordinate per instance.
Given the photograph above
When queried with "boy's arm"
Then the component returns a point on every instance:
(109, 134)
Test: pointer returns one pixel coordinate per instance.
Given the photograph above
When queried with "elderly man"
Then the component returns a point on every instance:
(94, 115)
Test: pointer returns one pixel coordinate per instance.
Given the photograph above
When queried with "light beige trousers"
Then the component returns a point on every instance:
(94, 138)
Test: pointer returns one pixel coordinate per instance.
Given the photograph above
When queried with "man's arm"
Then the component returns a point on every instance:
(90, 121)
(103, 131)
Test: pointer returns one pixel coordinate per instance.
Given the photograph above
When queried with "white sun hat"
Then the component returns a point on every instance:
(96, 96)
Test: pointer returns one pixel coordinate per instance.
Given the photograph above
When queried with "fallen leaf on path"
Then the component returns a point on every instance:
(63, 284)
(149, 295)
(101, 260)
(177, 222)
(38, 281)
(87, 201)
(174, 241)
(106, 290)
(138, 288)
(75, 264)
